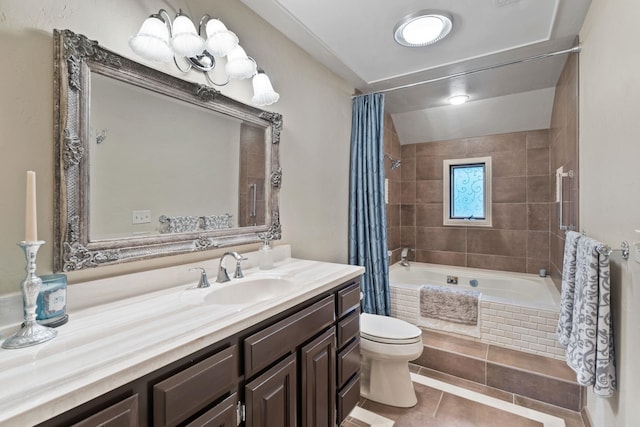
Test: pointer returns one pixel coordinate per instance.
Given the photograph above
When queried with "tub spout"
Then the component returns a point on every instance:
(403, 257)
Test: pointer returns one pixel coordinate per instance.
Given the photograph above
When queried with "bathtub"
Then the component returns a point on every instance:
(516, 310)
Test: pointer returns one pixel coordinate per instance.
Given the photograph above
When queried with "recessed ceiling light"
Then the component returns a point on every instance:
(423, 28)
(458, 99)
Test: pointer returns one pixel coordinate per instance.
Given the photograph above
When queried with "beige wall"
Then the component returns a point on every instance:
(314, 102)
(609, 202)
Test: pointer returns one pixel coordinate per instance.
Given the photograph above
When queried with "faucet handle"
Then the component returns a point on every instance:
(238, 274)
(204, 280)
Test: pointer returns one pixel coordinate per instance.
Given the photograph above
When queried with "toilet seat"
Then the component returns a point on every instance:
(388, 330)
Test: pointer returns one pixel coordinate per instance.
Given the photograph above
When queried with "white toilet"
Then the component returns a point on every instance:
(387, 345)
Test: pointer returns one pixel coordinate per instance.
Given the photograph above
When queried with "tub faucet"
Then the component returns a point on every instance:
(223, 276)
(403, 255)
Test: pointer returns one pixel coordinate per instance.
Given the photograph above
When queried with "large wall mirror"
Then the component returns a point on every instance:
(150, 165)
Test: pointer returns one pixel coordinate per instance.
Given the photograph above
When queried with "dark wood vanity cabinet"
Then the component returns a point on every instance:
(348, 347)
(298, 368)
(307, 339)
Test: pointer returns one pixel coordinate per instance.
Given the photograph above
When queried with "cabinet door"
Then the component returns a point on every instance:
(271, 397)
(318, 381)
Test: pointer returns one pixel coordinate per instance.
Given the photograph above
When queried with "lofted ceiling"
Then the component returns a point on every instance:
(355, 40)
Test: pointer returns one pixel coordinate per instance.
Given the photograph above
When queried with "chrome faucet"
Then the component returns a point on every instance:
(403, 257)
(204, 280)
(223, 276)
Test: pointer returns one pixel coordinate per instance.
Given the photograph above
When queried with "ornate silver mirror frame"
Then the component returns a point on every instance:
(75, 58)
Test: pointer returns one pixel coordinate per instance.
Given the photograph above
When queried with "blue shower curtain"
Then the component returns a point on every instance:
(367, 209)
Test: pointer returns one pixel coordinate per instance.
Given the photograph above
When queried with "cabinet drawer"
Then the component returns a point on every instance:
(182, 395)
(224, 414)
(122, 414)
(267, 346)
(348, 362)
(348, 328)
(348, 398)
(348, 298)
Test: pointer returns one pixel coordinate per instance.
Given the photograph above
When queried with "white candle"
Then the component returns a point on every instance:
(31, 222)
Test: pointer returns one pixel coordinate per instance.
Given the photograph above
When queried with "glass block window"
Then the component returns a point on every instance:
(467, 192)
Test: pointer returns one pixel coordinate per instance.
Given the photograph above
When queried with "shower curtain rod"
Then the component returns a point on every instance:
(574, 49)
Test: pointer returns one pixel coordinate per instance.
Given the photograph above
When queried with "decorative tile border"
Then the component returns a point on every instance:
(518, 328)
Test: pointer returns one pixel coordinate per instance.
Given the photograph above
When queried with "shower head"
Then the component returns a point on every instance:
(394, 163)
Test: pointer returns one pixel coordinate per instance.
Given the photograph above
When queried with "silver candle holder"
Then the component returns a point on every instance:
(32, 332)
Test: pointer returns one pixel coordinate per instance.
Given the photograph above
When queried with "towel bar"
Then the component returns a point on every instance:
(624, 250)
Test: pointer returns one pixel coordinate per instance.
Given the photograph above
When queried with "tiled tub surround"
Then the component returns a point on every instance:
(109, 344)
(510, 315)
(521, 205)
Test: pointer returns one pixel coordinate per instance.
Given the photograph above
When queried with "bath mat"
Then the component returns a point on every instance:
(450, 304)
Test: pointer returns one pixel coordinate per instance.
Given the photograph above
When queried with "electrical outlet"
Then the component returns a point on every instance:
(141, 217)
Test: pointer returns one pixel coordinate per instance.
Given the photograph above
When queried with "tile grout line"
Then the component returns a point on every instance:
(435, 411)
(486, 367)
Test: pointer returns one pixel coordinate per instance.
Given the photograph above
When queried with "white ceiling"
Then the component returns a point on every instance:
(354, 38)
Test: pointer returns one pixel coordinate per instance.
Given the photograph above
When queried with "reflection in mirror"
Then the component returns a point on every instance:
(154, 157)
(150, 165)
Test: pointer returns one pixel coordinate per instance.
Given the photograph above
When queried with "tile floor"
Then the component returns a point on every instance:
(448, 401)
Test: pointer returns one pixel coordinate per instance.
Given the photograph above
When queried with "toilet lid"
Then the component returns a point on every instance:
(388, 329)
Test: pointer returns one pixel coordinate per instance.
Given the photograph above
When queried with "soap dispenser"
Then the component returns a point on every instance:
(266, 255)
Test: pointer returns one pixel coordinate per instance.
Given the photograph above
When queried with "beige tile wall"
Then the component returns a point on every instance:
(563, 152)
(519, 237)
(525, 236)
(392, 148)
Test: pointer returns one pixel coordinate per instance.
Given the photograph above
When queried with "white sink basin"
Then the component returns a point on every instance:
(248, 290)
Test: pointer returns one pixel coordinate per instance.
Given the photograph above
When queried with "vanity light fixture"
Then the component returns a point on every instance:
(458, 99)
(423, 28)
(160, 40)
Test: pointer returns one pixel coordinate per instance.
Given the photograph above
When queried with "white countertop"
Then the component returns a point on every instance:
(109, 345)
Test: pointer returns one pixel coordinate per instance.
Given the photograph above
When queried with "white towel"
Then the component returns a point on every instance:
(567, 297)
(590, 351)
